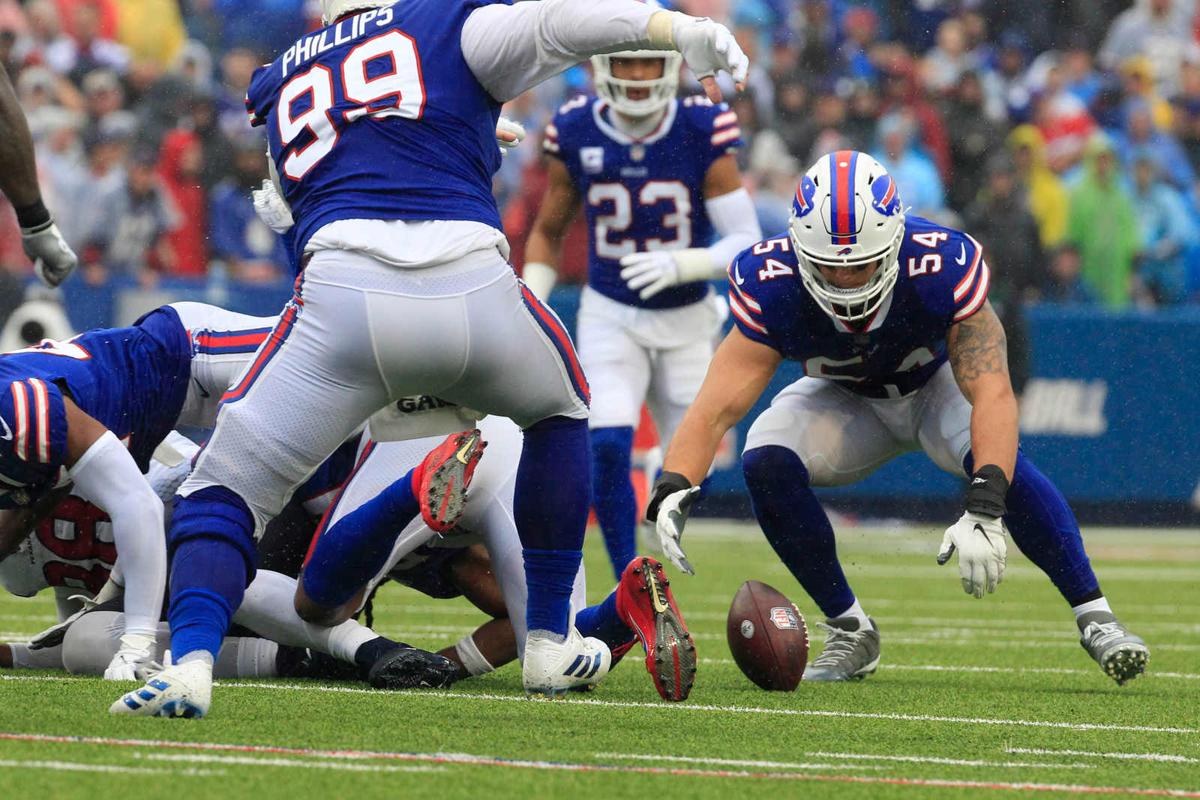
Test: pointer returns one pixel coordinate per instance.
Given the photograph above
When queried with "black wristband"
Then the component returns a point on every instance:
(668, 483)
(32, 216)
(987, 491)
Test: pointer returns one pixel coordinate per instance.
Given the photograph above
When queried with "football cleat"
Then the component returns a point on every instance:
(444, 476)
(645, 603)
(407, 667)
(1121, 654)
(182, 690)
(551, 667)
(849, 653)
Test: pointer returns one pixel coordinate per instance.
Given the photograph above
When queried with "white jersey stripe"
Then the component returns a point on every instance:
(965, 284)
(744, 316)
(727, 135)
(728, 118)
(977, 299)
(20, 420)
(41, 408)
(746, 299)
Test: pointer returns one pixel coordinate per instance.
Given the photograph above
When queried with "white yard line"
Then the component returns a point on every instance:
(284, 762)
(996, 670)
(1163, 757)
(680, 707)
(77, 766)
(733, 762)
(564, 766)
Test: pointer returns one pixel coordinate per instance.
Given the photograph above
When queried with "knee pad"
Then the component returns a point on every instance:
(612, 448)
(763, 466)
(214, 513)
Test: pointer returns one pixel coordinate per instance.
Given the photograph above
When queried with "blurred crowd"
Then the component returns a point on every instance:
(1063, 134)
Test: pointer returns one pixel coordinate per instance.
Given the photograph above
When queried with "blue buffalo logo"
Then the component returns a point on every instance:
(885, 198)
(805, 192)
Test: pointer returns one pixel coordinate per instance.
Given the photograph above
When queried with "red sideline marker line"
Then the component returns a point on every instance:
(492, 761)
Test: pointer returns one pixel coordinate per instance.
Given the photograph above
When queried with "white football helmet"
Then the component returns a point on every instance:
(847, 213)
(332, 10)
(615, 91)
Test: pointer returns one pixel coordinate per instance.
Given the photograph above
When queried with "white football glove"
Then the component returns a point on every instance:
(708, 48)
(134, 661)
(53, 259)
(509, 134)
(272, 209)
(650, 273)
(982, 551)
(672, 517)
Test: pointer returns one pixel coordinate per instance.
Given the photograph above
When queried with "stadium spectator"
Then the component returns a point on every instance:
(1103, 225)
(1062, 118)
(1168, 231)
(1000, 219)
(250, 250)
(87, 48)
(1137, 83)
(1064, 283)
(1141, 138)
(1048, 199)
(948, 60)
(150, 29)
(1156, 29)
(180, 165)
(915, 175)
(132, 237)
(902, 91)
(975, 138)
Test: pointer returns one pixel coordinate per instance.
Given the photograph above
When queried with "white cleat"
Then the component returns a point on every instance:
(551, 667)
(182, 690)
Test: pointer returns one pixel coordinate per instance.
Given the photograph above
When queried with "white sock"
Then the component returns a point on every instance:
(473, 661)
(856, 611)
(246, 657)
(198, 655)
(1100, 604)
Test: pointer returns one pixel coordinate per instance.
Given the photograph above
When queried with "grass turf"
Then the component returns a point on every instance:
(971, 696)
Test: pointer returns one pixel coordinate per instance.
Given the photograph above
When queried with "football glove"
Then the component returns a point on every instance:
(708, 48)
(650, 273)
(135, 659)
(53, 259)
(982, 548)
(272, 209)
(669, 507)
(509, 134)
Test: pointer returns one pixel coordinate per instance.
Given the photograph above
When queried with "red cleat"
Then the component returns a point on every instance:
(645, 603)
(441, 482)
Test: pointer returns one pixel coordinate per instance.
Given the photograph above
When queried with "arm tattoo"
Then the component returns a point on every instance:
(977, 347)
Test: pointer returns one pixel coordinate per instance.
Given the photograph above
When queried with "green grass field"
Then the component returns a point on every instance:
(972, 698)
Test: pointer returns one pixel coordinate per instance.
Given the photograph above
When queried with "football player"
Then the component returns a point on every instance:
(53, 259)
(380, 127)
(666, 213)
(363, 540)
(901, 351)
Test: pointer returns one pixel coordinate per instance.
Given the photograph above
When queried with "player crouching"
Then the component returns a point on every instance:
(901, 352)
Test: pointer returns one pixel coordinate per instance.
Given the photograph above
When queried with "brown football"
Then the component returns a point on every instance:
(768, 637)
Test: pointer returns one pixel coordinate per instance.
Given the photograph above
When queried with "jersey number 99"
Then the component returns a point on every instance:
(396, 91)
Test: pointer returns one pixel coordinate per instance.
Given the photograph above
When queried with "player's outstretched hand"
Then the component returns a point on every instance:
(509, 134)
(134, 661)
(670, 504)
(272, 209)
(708, 48)
(649, 273)
(981, 542)
(53, 259)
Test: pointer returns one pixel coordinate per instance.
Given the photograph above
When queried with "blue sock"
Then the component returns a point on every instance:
(212, 562)
(550, 506)
(612, 493)
(352, 551)
(603, 622)
(550, 577)
(1044, 528)
(796, 526)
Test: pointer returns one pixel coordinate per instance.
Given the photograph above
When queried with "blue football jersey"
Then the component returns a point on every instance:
(132, 380)
(943, 280)
(642, 194)
(378, 117)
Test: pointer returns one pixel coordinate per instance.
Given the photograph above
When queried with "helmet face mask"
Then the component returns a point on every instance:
(659, 91)
(847, 215)
(333, 10)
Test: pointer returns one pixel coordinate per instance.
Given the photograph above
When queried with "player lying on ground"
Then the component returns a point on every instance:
(902, 352)
(364, 539)
(666, 213)
(68, 406)
(53, 260)
(72, 552)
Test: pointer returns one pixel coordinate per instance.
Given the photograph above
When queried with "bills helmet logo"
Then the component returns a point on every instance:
(885, 198)
(803, 204)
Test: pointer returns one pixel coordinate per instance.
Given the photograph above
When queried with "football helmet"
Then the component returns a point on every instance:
(615, 91)
(333, 10)
(846, 214)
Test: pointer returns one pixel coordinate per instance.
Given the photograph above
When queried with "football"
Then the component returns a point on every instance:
(768, 637)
